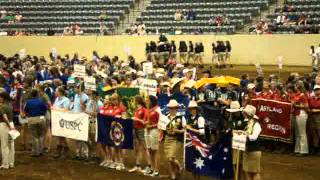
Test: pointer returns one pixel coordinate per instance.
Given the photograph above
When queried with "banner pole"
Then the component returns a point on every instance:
(237, 165)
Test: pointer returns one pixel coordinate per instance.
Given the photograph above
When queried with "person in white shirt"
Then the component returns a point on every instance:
(252, 155)
(313, 55)
(318, 54)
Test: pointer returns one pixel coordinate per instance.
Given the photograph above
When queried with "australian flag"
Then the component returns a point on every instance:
(205, 160)
(116, 132)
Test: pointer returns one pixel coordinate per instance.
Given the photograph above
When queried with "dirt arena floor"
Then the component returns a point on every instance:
(274, 166)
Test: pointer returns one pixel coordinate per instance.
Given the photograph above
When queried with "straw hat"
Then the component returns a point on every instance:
(234, 107)
(193, 104)
(185, 71)
(172, 104)
(251, 111)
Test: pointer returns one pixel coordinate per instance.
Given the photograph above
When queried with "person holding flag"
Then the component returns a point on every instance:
(195, 124)
(252, 155)
(173, 139)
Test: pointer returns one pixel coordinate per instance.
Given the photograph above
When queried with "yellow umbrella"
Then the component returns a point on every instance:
(221, 81)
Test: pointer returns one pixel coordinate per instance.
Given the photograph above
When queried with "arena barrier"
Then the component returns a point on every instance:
(246, 49)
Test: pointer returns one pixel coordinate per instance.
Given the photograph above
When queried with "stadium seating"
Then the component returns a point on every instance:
(40, 15)
(309, 8)
(159, 15)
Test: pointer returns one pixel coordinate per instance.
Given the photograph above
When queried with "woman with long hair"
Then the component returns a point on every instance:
(152, 136)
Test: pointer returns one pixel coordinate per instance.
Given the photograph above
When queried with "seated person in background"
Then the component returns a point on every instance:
(191, 15)
(77, 29)
(141, 29)
(308, 20)
(219, 20)
(178, 16)
(226, 20)
(18, 17)
(103, 15)
(281, 19)
(134, 29)
(302, 20)
(67, 30)
(11, 17)
(288, 8)
(3, 13)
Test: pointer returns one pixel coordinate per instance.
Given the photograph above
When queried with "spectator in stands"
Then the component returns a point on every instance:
(178, 16)
(10, 18)
(281, 19)
(288, 7)
(3, 13)
(76, 29)
(302, 19)
(134, 29)
(18, 17)
(67, 30)
(103, 28)
(191, 15)
(103, 15)
(141, 29)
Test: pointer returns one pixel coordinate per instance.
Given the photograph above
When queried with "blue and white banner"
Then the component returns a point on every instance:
(116, 132)
(70, 125)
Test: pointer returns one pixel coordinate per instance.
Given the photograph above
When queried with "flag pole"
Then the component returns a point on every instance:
(237, 164)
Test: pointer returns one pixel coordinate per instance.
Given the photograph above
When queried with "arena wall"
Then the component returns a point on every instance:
(246, 49)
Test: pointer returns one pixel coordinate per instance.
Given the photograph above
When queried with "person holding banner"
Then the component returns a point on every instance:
(63, 103)
(173, 139)
(300, 106)
(35, 110)
(79, 105)
(117, 110)
(92, 107)
(252, 155)
(139, 124)
(152, 135)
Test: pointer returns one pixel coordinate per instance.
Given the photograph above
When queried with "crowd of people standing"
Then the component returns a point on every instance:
(32, 86)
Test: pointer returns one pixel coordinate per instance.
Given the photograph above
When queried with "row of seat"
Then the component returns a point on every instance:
(63, 7)
(186, 23)
(72, 13)
(262, 4)
(53, 24)
(59, 30)
(195, 1)
(244, 16)
(253, 10)
(64, 19)
(64, 2)
(189, 29)
(304, 2)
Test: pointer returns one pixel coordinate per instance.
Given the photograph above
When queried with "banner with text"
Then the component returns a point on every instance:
(70, 125)
(274, 118)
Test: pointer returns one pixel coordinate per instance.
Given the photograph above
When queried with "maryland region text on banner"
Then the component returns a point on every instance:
(274, 118)
(70, 125)
(116, 132)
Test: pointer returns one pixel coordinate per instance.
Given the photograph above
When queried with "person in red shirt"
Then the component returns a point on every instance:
(139, 140)
(251, 94)
(266, 92)
(299, 101)
(152, 135)
(118, 110)
(314, 107)
(279, 94)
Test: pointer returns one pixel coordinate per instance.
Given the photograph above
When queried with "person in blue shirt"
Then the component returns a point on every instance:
(63, 103)
(35, 111)
(78, 106)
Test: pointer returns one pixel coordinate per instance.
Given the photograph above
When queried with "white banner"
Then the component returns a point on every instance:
(79, 70)
(147, 68)
(70, 125)
(90, 83)
(149, 86)
(239, 140)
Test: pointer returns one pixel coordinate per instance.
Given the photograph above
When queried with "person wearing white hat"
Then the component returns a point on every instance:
(235, 121)
(252, 154)
(249, 95)
(173, 139)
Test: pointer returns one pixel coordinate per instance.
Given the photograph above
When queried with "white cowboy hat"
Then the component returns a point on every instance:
(234, 107)
(173, 103)
(251, 111)
(193, 104)
(185, 71)
(179, 66)
(166, 83)
(251, 86)
(316, 87)
(159, 75)
(175, 81)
